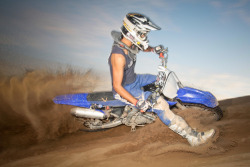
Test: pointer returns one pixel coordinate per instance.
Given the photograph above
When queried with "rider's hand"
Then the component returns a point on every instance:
(158, 49)
(143, 105)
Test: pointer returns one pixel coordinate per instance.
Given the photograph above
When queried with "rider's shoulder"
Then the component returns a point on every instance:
(118, 59)
(118, 56)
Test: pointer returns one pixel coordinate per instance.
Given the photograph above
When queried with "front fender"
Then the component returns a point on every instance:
(191, 95)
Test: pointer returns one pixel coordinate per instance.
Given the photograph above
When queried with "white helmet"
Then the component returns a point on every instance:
(135, 28)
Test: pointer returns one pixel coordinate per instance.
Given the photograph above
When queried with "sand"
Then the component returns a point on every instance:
(36, 132)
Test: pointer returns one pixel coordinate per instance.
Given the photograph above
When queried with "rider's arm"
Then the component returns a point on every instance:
(158, 49)
(118, 64)
(149, 49)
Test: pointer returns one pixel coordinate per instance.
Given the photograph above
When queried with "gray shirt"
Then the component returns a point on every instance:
(129, 75)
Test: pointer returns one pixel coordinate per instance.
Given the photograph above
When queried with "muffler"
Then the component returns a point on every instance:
(87, 113)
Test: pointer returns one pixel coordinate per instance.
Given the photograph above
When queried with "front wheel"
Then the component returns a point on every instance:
(216, 111)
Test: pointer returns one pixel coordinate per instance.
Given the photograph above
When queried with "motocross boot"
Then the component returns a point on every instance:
(179, 125)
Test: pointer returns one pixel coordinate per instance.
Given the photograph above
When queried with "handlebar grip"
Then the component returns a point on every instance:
(161, 55)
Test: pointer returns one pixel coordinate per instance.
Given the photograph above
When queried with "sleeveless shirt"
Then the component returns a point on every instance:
(129, 75)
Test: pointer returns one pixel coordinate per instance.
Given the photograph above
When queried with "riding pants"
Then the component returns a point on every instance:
(163, 112)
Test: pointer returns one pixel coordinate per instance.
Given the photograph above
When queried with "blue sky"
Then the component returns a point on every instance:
(208, 40)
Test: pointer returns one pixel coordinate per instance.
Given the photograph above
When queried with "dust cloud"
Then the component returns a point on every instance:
(27, 112)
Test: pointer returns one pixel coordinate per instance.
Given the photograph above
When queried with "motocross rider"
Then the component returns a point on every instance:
(126, 84)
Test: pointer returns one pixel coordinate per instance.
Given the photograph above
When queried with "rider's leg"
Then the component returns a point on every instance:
(135, 87)
(179, 125)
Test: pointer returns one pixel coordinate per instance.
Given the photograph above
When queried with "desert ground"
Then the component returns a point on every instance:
(36, 132)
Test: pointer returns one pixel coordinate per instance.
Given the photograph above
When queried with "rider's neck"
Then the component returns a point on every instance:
(126, 42)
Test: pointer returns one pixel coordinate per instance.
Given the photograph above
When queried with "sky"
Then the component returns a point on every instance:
(208, 40)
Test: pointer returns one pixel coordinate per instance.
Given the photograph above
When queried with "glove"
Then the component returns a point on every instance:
(143, 105)
(158, 49)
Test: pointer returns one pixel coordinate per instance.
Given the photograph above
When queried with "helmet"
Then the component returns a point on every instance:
(136, 27)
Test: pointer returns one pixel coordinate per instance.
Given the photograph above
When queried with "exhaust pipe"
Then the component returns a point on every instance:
(87, 113)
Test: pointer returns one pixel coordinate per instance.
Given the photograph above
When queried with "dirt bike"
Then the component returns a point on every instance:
(100, 110)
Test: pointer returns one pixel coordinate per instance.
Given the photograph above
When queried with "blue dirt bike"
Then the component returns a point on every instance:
(99, 110)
